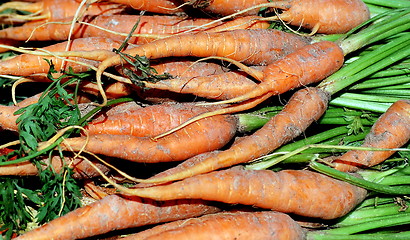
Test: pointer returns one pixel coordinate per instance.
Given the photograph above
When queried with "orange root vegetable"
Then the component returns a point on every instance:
(219, 86)
(81, 168)
(113, 213)
(300, 192)
(153, 6)
(117, 27)
(304, 66)
(45, 10)
(237, 225)
(321, 16)
(207, 135)
(391, 130)
(27, 64)
(305, 106)
(145, 122)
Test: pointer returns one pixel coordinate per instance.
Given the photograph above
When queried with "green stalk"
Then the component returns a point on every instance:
(368, 64)
(389, 3)
(373, 236)
(380, 188)
(381, 82)
(404, 93)
(358, 104)
(370, 97)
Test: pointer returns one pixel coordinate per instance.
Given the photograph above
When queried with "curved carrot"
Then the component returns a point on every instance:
(219, 86)
(113, 213)
(117, 27)
(27, 64)
(210, 134)
(322, 16)
(145, 122)
(153, 6)
(81, 168)
(305, 106)
(45, 10)
(228, 225)
(391, 130)
(300, 192)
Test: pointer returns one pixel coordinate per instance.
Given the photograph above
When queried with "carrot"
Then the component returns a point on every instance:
(321, 16)
(81, 168)
(145, 122)
(27, 64)
(117, 27)
(219, 86)
(228, 225)
(391, 130)
(305, 106)
(45, 10)
(113, 213)
(153, 6)
(207, 135)
(300, 192)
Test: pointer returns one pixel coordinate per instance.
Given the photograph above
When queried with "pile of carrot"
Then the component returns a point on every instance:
(155, 91)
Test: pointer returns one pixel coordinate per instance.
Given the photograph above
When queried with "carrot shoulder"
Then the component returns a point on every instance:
(391, 130)
(228, 225)
(113, 213)
(301, 192)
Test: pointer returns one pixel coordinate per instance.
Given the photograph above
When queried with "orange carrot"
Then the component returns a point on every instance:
(145, 122)
(117, 27)
(228, 225)
(206, 135)
(300, 192)
(305, 106)
(219, 86)
(81, 168)
(113, 213)
(153, 6)
(27, 64)
(322, 16)
(391, 130)
(46, 10)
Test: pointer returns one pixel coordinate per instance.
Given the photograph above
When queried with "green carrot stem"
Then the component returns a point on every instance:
(370, 97)
(391, 72)
(380, 188)
(388, 92)
(390, 3)
(396, 87)
(373, 236)
(358, 104)
(381, 82)
(395, 180)
(368, 64)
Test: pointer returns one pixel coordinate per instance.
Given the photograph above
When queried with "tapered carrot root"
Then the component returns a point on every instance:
(45, 10)
(219, 86)
(153, 6)
(81, 168)
(322, 16)
(113, 213)
(249, 46)
(210, 134)
(146, 122)
(228, 225)
(305, 106)
(28, 64)
(117, 27)
(306, 65)
(391, 130)
(288, 191)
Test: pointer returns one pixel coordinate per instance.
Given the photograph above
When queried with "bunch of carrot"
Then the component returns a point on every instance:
(131, 85)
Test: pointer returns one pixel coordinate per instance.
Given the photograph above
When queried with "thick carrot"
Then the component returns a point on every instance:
(391, 130)
(305, 106)
(322, 16)
(81, 168)
(219, 86)
(113, 213)
(210, 134)
(27, 64)
(228, 225)
(117, 27)
(145, 122)
(301, 192)
(46, 10)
